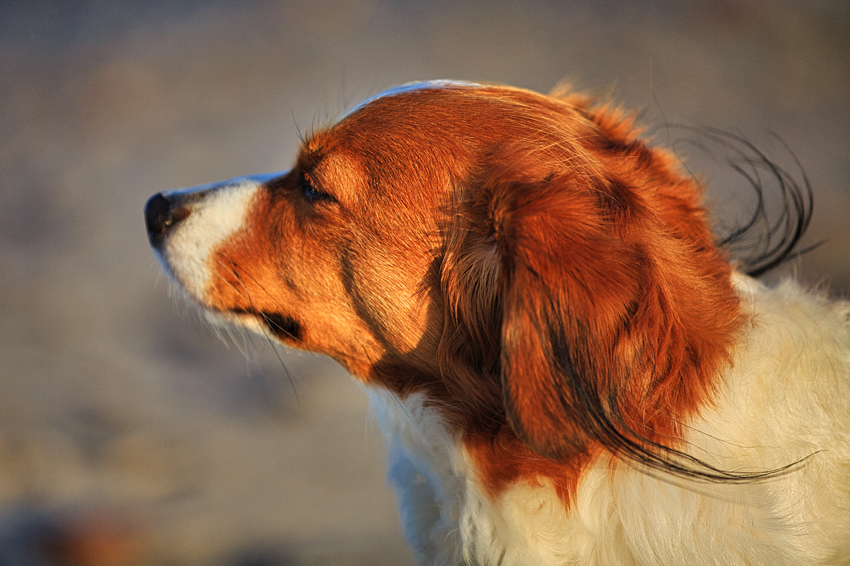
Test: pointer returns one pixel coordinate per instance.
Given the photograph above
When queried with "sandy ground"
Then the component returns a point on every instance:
(116, 402)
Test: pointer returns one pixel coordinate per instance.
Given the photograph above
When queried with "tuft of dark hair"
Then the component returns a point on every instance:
(769, 234)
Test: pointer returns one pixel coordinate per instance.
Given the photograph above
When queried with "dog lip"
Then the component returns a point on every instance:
(283, 326)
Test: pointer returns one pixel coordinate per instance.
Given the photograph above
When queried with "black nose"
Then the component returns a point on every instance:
(160, 215)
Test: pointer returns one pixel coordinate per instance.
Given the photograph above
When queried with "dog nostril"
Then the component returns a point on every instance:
(160, 215)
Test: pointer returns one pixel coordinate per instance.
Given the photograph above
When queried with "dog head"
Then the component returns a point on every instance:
(525, 261)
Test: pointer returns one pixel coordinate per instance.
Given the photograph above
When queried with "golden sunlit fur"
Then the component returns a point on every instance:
(566, 366)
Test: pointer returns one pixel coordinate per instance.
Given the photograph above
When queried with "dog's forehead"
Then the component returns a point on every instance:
(398, 117)
(462, 112)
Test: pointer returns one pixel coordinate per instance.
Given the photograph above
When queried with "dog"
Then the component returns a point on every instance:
(567, 366)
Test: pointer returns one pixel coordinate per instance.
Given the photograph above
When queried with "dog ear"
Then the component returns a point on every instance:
(617, 310)
(569, 287)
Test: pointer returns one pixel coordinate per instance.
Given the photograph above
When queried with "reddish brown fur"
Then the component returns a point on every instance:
(525, 261)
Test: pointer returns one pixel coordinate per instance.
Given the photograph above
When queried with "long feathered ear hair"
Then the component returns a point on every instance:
(617, 309)
(587, 302)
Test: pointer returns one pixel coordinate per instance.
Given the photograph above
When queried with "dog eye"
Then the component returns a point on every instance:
(310, 191)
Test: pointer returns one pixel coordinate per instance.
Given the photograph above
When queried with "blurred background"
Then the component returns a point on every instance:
(129, 432)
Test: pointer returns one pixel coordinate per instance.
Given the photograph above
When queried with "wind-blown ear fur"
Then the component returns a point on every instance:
(618, 310)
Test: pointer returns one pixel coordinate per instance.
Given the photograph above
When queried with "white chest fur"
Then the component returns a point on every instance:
(445, 515)
(784, 398)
